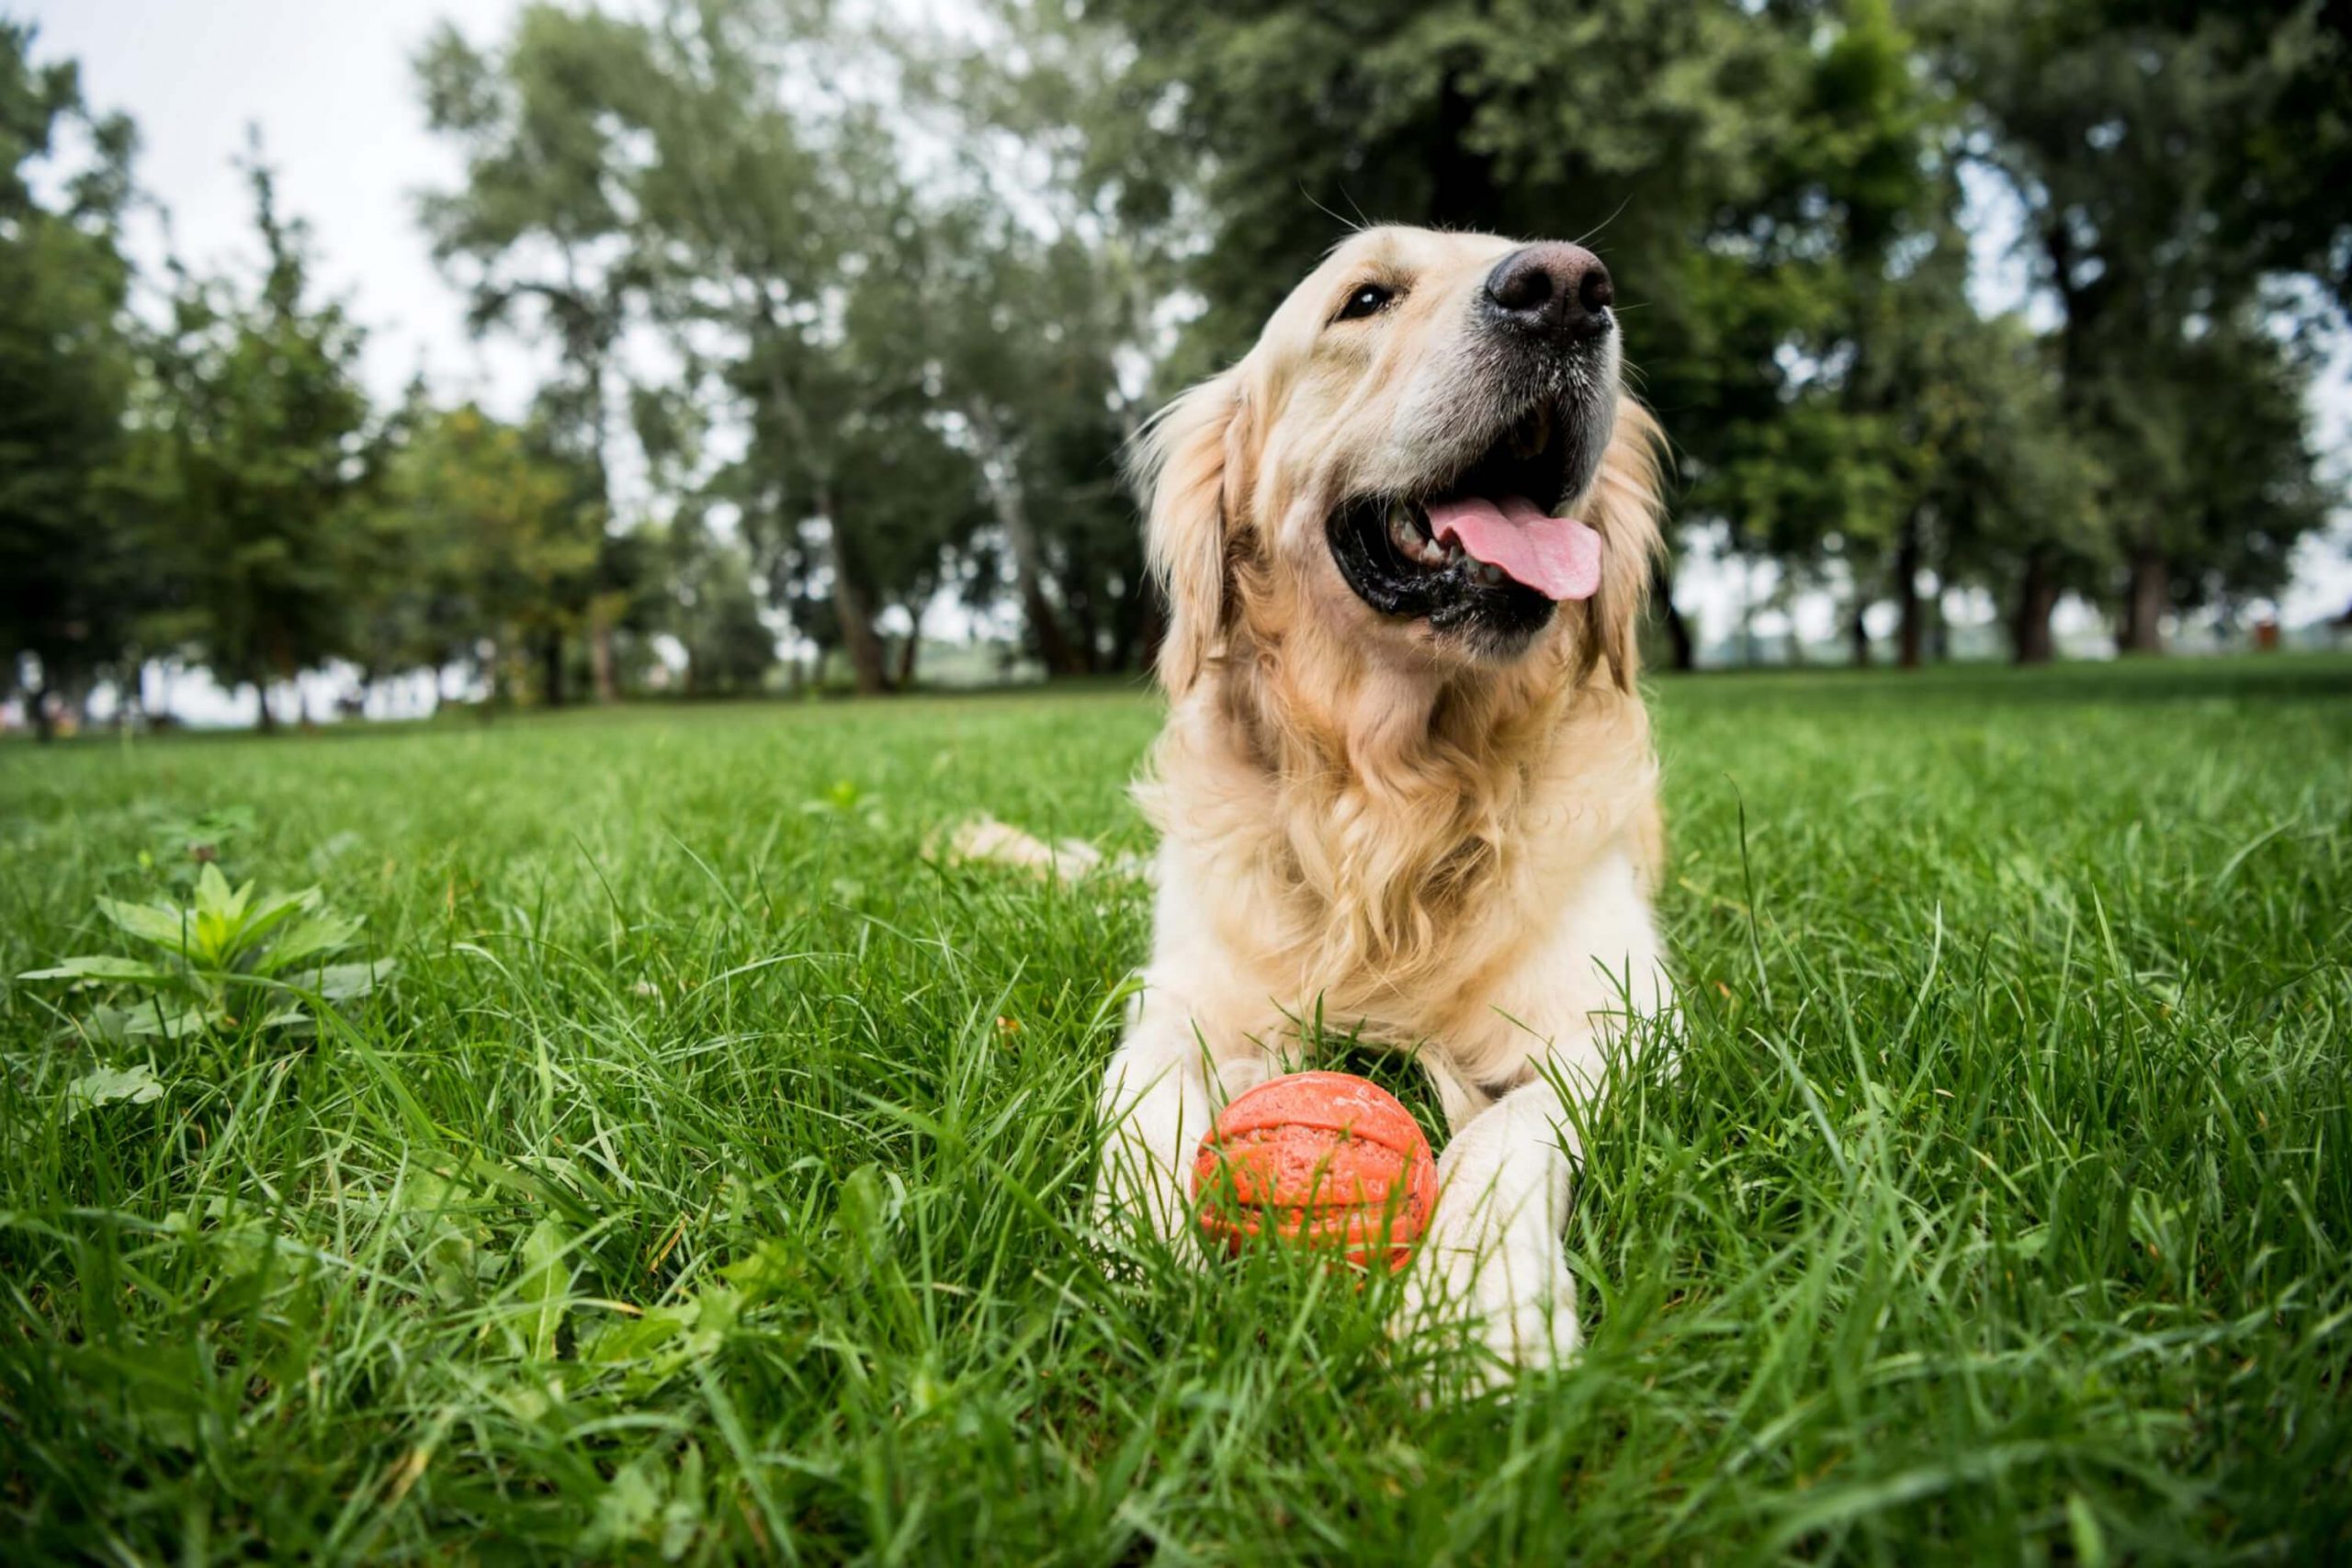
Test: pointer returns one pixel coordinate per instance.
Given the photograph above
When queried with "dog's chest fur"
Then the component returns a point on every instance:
(1395, 879)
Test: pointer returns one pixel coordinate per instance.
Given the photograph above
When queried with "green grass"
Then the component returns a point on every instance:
(1998, 1210)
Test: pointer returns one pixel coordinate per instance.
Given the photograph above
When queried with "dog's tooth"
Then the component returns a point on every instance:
(1401, 532)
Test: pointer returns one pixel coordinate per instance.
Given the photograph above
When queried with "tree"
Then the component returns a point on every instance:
(711, 606)
(254, 451)
(408, 605)
(1059, 274)
(1026, 340)
(1994, 489)
(691, 157)
(494, 529)
(537, 236)
(69, 570)
(2164, 157)
(2245, 494)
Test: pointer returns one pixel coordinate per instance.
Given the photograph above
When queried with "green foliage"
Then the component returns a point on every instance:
(712, 610)
(113, 1086)
(71, 579)
(912, 361)
(253, 453)
(220, 960)
(532, 236)
(689, 1198)
(483, 538)
(2132, 135)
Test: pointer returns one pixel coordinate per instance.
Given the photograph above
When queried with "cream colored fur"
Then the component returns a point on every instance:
(1361, 820)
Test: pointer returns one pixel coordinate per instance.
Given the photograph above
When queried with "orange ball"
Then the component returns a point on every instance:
(1327, 1158)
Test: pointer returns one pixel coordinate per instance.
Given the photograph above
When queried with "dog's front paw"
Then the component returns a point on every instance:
(1507, 1287)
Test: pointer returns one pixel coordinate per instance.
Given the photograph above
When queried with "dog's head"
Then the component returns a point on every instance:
(1426, 456)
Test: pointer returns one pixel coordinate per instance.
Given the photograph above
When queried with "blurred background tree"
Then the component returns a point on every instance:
(71, 580)
(253, 454)
(713, 609)
(2169, 161)
(535, 237)
(842, 316)
(492, 539)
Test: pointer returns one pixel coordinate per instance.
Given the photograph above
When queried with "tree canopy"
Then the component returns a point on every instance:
(844, 316)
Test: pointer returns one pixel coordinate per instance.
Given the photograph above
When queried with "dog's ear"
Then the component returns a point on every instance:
(1190, 467)
(1627, 508)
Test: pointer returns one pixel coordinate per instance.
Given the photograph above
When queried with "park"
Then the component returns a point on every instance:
(648, 650)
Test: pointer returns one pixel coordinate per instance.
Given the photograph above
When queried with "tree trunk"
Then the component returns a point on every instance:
(1086, 634)
(858, 637)
(1858, 634)
(551, 668)
(44, 720)
(2030, 638)
(2145, 601)
(908, 651)
(859, 640)
(1061, 656)
(1682, 654)
(1911, 632)
(268, 723)
(600, 659)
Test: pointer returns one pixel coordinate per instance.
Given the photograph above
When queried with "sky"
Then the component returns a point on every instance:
(329, 85)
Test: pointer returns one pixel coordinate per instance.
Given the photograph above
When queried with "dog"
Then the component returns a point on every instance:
(1406, 783)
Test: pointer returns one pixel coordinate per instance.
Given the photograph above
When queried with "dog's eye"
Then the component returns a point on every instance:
(1368, 300)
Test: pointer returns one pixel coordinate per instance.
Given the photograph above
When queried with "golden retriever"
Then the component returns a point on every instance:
(1406, 784)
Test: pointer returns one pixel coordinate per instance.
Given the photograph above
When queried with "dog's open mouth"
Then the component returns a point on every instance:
(1488, 550)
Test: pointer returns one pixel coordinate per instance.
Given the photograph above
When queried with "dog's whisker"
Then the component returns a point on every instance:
(1586, 238)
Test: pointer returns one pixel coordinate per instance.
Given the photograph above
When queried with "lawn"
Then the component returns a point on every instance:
(707, 1179)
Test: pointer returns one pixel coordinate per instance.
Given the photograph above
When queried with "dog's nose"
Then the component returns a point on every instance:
(1553, 291)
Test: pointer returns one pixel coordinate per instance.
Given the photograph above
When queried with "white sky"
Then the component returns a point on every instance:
(329, 84)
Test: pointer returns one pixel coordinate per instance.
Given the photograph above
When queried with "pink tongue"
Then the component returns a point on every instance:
(1557, 557)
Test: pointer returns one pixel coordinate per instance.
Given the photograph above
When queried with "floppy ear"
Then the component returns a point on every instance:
(1627, 509)
(1190, 465)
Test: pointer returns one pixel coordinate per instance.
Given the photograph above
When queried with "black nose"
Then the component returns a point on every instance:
(1553, 291)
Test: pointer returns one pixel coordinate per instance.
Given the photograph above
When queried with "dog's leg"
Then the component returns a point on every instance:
(1492, 1253)
(1160, 1095)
